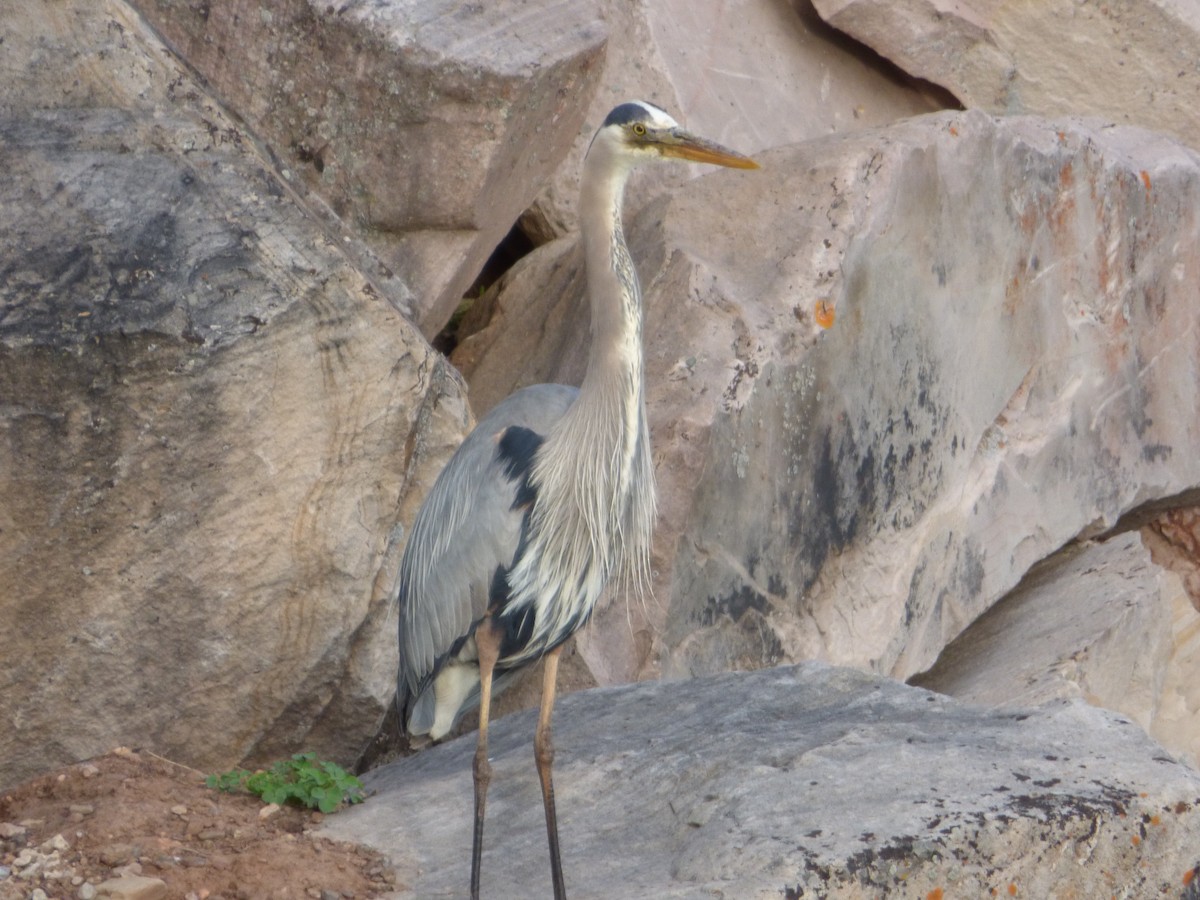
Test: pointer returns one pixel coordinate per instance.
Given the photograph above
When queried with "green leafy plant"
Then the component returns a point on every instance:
(303, 779)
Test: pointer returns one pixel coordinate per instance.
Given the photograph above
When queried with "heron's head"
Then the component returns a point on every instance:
(638, 131)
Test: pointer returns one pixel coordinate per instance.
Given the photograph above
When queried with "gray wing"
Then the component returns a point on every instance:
(465, 529)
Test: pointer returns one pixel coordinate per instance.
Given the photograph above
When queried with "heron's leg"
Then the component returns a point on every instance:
(543, 753)
(487, 645)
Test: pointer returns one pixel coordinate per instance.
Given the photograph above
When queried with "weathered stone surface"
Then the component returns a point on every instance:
(429, 125)
(1098, 622)
(1132, 62)
(209, 423)
(807, 781)
(763, 74)
(1013, 363)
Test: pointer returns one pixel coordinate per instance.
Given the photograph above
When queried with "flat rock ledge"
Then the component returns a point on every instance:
(805, 781)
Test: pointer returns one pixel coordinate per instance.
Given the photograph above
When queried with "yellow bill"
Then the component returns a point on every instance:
(698, 149)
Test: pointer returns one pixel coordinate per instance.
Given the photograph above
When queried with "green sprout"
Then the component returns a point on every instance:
(303, 779)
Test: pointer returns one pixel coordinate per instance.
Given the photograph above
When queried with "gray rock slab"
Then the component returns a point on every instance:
(426, 125)
(211, 420)
(805, 781)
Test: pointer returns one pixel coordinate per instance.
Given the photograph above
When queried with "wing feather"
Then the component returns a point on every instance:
(465, 529)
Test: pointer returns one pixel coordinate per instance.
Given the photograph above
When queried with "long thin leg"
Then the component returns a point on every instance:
(543, 753)
(487, 644)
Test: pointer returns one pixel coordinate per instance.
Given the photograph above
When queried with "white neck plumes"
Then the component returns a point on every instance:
(594, 479)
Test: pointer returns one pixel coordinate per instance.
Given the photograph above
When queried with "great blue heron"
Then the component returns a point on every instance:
(549, 496)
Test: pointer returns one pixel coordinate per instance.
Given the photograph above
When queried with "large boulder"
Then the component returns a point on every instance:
(210, 422)
(796, 782)
(427, 125)
(1132, 62)
(1013, 364)
(1098, 622)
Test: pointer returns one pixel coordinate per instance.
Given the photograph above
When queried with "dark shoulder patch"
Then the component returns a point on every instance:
(516, 450)
(626, 113)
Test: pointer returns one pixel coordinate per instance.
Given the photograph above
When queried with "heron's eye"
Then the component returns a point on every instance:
(639, 129)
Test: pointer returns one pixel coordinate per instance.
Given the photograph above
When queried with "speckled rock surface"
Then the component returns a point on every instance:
(797, 782)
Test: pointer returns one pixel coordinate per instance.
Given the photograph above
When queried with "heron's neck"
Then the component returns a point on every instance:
(595, 483)
(616, 345)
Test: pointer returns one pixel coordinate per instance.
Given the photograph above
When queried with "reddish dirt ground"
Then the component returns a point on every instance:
(135, 813)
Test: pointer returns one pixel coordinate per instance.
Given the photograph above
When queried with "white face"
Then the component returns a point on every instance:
(658, 117)
(637, 131)
(624, 132)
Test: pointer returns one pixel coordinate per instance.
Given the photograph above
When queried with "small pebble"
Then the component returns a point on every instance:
(115, 854)
(9, 830)
(269, 810)
(179, 810)
(195, 826)
(58, 842)
(84, 809)
(88, 770)
(87, 892)
(38, 894)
